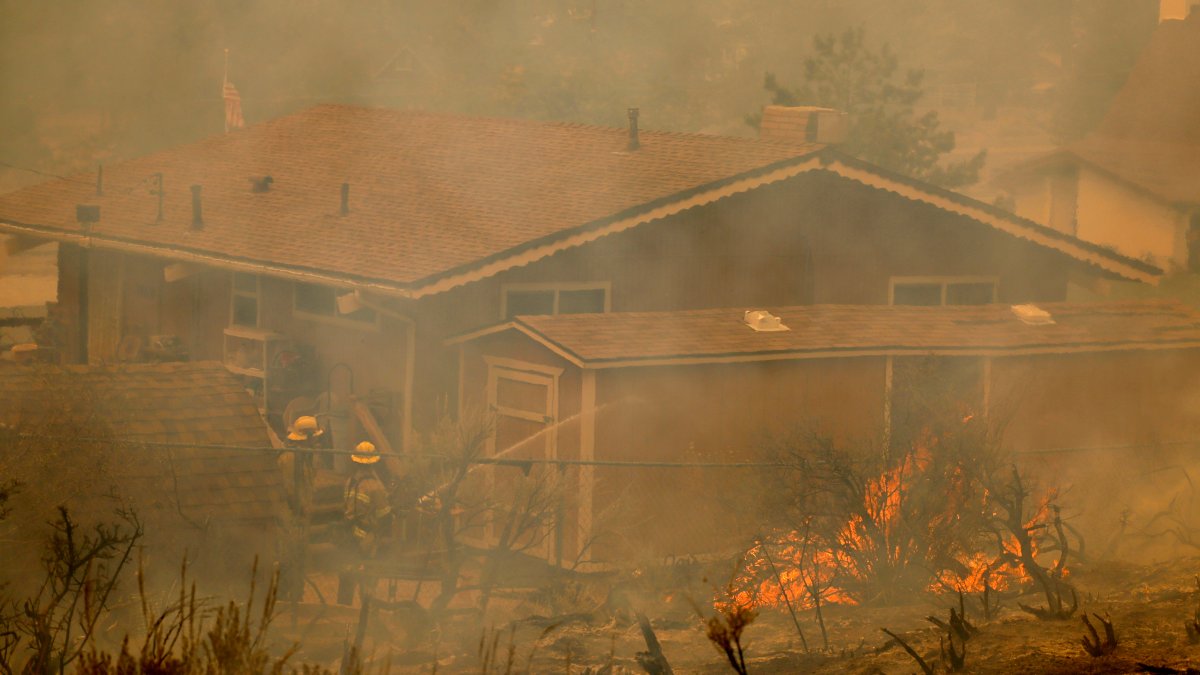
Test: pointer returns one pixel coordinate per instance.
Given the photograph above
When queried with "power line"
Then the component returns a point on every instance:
(145, 182)
(517, 462)
(499, 461)
(43, 173)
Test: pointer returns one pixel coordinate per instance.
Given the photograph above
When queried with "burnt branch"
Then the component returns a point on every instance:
(925, 668)
(955, 661)
(1011, 498)
(1093, 645)
(653, 661)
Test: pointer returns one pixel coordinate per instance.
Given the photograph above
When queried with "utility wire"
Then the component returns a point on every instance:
(146, 182)
(500, 461)
(44, 173)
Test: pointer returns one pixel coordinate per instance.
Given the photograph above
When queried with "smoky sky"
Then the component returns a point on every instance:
(87, 82)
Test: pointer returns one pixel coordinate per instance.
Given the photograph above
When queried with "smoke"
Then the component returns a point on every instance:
(85, 83)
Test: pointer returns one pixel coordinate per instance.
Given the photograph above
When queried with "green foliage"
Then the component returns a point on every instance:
(845, 73)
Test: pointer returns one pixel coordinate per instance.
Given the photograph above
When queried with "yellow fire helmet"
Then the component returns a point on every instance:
(365, 453)
(304, 428)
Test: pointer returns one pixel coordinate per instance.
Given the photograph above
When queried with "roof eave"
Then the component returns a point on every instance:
(879, 352)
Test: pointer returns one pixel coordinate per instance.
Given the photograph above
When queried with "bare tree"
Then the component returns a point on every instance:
(81, 569)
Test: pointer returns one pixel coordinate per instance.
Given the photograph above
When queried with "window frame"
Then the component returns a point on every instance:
(945, 282)
(336, 318)
(557, 288)
(235, 293)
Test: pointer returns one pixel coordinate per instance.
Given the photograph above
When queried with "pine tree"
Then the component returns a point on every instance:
(844, 73)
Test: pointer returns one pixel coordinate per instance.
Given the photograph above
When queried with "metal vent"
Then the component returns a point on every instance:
(763, 321)
(1032, 315)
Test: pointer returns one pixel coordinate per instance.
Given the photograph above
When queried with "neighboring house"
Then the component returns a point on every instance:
(152, 437)
(704, 386)
(1133, 183)
(356, 240)
(28, 287)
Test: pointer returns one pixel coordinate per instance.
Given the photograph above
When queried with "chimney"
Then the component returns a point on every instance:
(99, 180)
(1175, 10)
(634, 143)
(87, 215)
(345, 198)
(197, 214)
(802, 124)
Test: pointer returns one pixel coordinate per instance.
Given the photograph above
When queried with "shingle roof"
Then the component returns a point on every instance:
(1149, 136)
(607, 340)
(106, 410)
(428, 192)
(435, 200)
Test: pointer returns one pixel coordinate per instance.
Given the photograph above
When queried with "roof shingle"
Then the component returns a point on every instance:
(108, 410)
(429, 193)
(436, 200)
(598, 340)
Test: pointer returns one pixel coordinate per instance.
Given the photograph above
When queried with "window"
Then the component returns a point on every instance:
(933, 291)
(243, 301)
(554, 299)
(315, 301)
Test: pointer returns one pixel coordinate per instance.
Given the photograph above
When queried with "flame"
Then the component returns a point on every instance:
(799, 568)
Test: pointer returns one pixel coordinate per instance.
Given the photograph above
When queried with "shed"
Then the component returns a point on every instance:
(182, 444)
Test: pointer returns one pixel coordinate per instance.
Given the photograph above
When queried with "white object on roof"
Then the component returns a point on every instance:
(1032, 315)
(763, 321)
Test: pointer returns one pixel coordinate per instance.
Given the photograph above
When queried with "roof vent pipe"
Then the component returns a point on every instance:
(87, 215)
(345, 198)
(197, 214)
(634, 144)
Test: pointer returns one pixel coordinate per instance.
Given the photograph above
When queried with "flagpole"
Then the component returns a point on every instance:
(224, 83)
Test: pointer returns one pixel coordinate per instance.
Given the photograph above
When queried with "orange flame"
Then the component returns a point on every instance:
(799, 568)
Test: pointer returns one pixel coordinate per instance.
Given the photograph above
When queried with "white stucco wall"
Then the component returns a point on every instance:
(1031, 198)
(1110, 213)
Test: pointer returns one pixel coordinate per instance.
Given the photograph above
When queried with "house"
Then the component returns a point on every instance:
(710, 389)
(326, 255)
(162, 439)
(1133, 183)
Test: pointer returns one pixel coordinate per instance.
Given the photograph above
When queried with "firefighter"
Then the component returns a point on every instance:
(368, 516)
(303, 435)
(305, 430)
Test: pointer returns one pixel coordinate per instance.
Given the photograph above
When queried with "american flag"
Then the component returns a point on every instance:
(233, 107)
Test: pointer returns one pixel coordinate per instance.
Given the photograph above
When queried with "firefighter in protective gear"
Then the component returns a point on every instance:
(303, 434)
(305, 428)
(368, 513)
(367, 507)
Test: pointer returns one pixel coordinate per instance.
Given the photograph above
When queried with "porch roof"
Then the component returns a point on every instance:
(832, 331)
(161, 437)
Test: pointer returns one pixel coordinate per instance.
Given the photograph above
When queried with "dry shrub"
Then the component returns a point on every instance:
(854, 526)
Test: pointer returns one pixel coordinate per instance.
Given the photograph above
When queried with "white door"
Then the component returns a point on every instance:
(525, 405)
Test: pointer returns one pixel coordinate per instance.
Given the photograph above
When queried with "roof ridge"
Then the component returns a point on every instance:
(527, 121)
